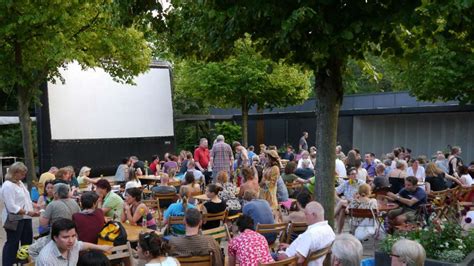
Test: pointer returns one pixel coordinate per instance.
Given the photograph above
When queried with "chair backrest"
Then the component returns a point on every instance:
(295, 228)
(232, 218)
(463, 193)
(315, 255)
(279, 229)
(196, 260)
(291, 261)
(218, 233)
(362, 213)
(152, 204)
(220, 216)
(174, 220)
(121, 252)
(166, 196)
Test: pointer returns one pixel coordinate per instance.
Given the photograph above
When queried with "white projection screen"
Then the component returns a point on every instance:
(91, 105)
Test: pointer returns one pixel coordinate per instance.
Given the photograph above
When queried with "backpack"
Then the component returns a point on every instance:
(112, 234)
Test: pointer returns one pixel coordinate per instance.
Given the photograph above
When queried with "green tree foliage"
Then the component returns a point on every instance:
(10, 140)
(231, 131)
(243, 80)
(320, 35)
(37, 38)
(439, 52)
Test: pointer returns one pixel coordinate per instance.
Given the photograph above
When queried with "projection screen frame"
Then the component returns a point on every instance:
(102, 155)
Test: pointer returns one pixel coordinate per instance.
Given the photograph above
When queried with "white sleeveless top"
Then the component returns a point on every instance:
(169, 261)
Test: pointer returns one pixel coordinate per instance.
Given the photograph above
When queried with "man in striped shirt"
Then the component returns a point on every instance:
(222, 157)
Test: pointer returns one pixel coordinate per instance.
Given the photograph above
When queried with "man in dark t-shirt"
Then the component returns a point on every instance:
(409, 198)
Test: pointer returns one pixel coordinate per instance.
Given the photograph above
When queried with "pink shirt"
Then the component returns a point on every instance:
(249, 248)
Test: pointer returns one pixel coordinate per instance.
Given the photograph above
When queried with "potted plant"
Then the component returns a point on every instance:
(445, 244)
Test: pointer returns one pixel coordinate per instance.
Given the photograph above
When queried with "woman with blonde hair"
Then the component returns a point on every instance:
(84, 177)
(436, 179)
(408, 253)
(18, 210)
(365, 227)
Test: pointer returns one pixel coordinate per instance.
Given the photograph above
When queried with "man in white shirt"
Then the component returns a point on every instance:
(64, 248)
(319, 235)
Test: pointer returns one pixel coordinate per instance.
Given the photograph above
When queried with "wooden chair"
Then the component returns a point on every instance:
(292, 261)
(162, 200)
(295, 228)
(232, 218)
(220, 216)
(464, 195)
(196, 260)
(218, 233)
(278, 229)
(315, 255)
(123, 253)
(154, 209)
(173, 220)
(358, 215)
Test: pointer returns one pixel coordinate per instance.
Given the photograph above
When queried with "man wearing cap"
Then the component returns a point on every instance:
(221, 157)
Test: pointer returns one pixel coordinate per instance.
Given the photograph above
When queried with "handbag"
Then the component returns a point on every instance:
(12, 220)
(112, 234)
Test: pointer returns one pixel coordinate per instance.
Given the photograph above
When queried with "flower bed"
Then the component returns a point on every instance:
(447, 244)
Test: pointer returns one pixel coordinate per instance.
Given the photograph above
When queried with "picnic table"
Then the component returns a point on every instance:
(133, 231)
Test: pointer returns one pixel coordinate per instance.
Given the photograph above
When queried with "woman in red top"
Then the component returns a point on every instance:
(90, 220)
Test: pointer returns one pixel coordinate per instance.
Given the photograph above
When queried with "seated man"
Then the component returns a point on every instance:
(318, 236)
(305, 171)
(164, 188)
(64, 248)
(260, 211)
(198, 175)
(61, 207)
(193, 243)
(409, 199)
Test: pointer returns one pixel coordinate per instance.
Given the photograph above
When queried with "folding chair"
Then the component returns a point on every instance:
(220, 216)
(356, 217)
(295, 229)
(278, 229)
(218, 233)
(154, 208)
(123, 253)
(173, 220)
(464, 196)
(315, 255)
(164, 200)
(292, 261)
(196, 260)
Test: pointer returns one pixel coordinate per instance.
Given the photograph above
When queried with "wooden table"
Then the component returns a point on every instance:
(133, 231)
(151, 179)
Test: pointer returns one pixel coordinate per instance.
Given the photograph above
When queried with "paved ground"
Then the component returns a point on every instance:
(368, 245)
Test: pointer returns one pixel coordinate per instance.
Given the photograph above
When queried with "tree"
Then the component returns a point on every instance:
(320, 35)
(439, 52)
(243, 80)
(39, 38)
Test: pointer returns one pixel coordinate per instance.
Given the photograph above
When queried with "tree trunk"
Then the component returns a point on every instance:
(260, 128)
(329, 94)
(23, 97)
(245, 122)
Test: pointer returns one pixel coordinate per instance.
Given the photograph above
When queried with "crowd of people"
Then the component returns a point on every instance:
(234, 178)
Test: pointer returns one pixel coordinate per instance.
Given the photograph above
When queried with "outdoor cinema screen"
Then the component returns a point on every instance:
(91, 105)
